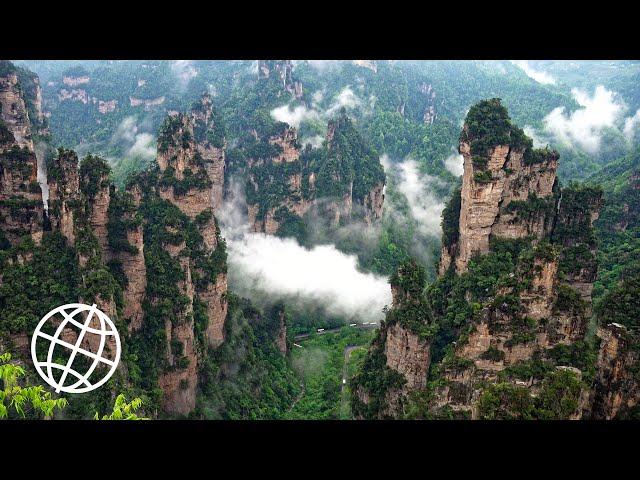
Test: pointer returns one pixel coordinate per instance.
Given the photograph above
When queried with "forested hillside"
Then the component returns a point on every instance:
(240, 221)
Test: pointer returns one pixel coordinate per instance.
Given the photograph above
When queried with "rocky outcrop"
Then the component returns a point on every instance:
(503, 195)
(13, 108)
(21, 208)
(266, 198)
(130, 253)
(64, 193)
(350, 184)
(403, 346)
(340, 182)
(190, 176)
(97, 189)
(511, 328)
(617, 386)
(281, 336)
(211, 146)
(369, 64)
(179, 380)
(282, 71)
(147, 103)
(408, 355)
(74, 81)
(430, 114)
(192, 163)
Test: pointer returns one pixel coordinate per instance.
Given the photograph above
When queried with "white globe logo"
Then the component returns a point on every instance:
(76, 341)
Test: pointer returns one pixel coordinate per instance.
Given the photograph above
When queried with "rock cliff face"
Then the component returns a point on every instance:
(510, 194)
(282, 71)
(275, 183)
(408, 355)
(430, 113)
(64, 193)
(192, 162)
(178, 381)
(190, 177)
(150, 255)
(617, 387)
(98, 194)
(21, 208)
(128, 252)
(515, 289)
(370, 64)
(504, 195)
(341, 182)
(351, 180)
(281, 337)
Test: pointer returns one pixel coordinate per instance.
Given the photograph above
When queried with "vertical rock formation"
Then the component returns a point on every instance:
(430, 114)
(210, 144)
(96, 187)
(183, 251)
(79, 200)
(281, 71)
(64, 192)
(617, 387)
(178, 380)
(508, 189)
(126, 245)
(281, 337)
(274, 186)
(21, 208)
(514, 293)
(340, 182)
(352, 178)
(403, 346)
(370, 64)
(510, 196)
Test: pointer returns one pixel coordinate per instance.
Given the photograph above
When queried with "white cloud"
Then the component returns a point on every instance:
(323, 274)
(184, 71)
(315, 141)
(300, 113)
(530, 132)
(347, 99)
(324, 65)
(132, 140)
(583, 128)
(294, 117)
(630, 125)
(418, 189)
(455, 163)
(264, 266)
(538, 75)
(144, 146)
(126, 130)
(317, 97)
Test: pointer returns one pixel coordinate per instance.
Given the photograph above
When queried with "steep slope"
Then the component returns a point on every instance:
(504, 326)
(339, 182)
(21, 207)
(152, 258)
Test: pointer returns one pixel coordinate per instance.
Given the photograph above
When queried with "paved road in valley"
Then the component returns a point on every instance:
(333, 330)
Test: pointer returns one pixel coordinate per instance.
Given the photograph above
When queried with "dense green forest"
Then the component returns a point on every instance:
(357, 126)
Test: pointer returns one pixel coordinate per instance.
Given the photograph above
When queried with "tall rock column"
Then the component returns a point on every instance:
(21, 208)
(508, 188)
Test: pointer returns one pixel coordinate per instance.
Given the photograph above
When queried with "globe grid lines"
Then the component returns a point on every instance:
(68, 318)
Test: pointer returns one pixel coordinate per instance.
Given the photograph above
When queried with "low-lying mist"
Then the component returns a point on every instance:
(268, 268)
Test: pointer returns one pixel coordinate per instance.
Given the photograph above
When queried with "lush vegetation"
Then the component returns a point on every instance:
(247, 377)
(320, 364)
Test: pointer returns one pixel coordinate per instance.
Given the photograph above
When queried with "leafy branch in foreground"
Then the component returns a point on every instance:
(24, 401)
(123, 410)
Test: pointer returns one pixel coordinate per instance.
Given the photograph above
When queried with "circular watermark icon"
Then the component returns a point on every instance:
(83, 348)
